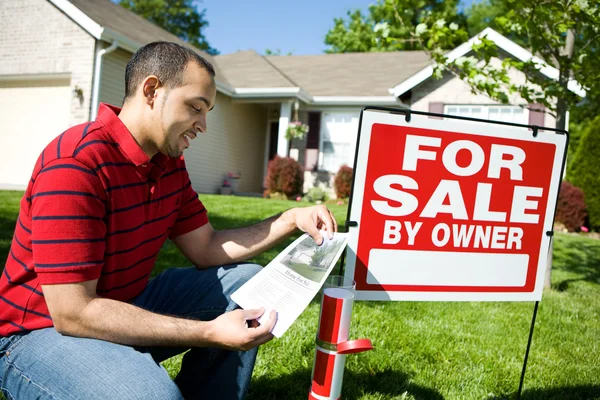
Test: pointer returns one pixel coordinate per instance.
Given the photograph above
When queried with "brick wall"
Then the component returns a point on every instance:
(37, 38)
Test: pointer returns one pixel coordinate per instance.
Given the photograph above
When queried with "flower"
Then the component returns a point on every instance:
(453, 26)
(584, 229)
(298, 198)
(234, 175)
(383, 27)
(421, 28)
(296, 130)
(226, 183)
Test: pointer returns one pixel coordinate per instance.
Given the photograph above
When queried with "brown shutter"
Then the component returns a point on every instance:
(314, 127)
(311, 157)
(536, 114)
(437, 108)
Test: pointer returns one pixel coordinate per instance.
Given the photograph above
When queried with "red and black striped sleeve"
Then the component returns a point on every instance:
(68, 206)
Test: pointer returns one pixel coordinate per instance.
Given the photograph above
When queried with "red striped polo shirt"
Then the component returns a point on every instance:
(96, 208)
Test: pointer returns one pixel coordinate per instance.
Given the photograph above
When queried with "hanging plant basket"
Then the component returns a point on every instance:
(296, 130)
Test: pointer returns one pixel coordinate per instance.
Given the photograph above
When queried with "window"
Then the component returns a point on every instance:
(338, 140)
(513, 114)
(336, 154)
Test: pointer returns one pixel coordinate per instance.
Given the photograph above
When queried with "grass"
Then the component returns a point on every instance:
(427, 350)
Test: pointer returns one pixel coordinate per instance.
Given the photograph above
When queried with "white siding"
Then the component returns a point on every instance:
(112, 85)
(234, 141)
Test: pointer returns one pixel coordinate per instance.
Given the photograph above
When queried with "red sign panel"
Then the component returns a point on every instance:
(446, 214)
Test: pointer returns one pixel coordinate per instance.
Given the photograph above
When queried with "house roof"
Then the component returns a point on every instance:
(321, 79)
(248, 69)
(350, 74)
(350, 78)
(107, 21)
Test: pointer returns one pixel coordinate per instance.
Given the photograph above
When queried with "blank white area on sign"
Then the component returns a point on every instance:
(443, 268)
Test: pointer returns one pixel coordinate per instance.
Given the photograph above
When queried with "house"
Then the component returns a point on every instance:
(61, 58)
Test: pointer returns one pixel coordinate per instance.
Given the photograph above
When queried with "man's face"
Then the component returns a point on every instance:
(183, 110)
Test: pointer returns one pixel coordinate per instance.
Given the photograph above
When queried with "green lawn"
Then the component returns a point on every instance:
(428, 350)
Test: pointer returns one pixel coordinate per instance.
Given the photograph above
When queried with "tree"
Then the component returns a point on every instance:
(381, 31)
(584, 173)
(318, 256)
(483, 15)
(561, 33)
(180, 17)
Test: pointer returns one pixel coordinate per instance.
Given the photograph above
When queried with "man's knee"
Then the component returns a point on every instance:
(139, 377)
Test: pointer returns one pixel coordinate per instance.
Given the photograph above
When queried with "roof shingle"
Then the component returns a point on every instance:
(351, 74)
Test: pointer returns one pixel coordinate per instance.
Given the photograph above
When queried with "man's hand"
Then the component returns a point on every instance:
(313, 219)
(206, 247)
(239, 330)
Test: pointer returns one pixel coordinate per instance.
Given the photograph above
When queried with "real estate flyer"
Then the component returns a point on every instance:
(289, 282)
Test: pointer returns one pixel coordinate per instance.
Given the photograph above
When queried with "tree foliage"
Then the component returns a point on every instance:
(379, 30)
(584, 171)
(483, 14)
(564, 34)
(180, 17)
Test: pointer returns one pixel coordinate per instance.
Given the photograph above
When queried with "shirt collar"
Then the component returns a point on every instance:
(108, 116)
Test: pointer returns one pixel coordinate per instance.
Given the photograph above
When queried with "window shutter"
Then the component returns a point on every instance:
(437, 108)
(536, 114)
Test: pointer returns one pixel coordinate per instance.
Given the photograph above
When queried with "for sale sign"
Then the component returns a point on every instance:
(451, 210)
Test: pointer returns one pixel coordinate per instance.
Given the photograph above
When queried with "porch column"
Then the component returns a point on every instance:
(285, 114)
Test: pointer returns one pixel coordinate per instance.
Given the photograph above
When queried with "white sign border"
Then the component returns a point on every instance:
(369, 117)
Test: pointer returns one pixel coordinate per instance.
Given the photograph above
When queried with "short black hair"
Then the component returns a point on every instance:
(166, 60)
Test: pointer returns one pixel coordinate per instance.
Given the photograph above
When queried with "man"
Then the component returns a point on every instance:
(78, 317)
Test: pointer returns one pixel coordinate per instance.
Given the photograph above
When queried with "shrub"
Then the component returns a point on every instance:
(284, 175)
(585, 171)
(343, 182)
(571, 209)
(316, 193)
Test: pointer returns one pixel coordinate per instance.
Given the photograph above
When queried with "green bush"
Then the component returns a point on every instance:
(316, 193)
(585, 171)
(284, 175)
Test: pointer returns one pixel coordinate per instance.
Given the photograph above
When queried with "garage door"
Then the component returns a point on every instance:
(339, 131)
(32, 114)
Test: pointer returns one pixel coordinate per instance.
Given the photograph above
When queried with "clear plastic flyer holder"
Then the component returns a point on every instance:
(332, 344)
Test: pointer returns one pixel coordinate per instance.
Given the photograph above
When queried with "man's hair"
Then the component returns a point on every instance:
(166, 60)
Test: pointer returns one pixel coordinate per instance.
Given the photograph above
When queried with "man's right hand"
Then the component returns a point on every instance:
(239, 330)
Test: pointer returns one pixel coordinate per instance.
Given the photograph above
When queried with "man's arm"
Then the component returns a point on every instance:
(205, 247)
(76, 310)
(66, 255)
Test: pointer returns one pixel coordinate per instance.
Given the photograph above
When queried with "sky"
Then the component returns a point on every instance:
(297, 26)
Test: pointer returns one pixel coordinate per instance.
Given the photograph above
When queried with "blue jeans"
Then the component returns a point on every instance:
(44, 364)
